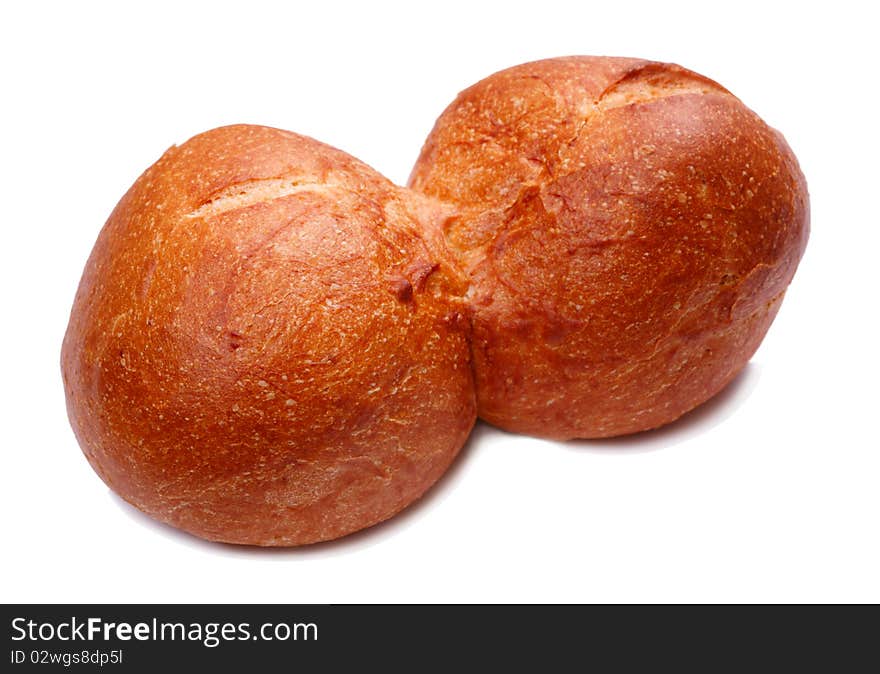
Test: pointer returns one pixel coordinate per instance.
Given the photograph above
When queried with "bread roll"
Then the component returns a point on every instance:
(268, 345)
(629, 229)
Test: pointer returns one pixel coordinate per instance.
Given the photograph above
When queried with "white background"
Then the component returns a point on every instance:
(769, 493)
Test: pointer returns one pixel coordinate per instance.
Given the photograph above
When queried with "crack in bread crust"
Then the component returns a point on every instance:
(653, 81)
(244, 194)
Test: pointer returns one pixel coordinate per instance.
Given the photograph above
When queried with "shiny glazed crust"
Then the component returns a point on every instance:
(629, 229)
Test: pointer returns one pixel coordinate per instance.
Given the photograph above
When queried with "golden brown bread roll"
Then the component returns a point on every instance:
(268, 343)
(629, 229)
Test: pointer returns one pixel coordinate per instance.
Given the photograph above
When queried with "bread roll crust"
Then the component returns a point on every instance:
(629, 229)
(267, 346)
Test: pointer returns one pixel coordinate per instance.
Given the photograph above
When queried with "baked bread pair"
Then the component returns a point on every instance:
(272, 344)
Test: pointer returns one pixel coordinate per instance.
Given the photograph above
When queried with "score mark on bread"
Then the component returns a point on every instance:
(252, 192)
